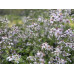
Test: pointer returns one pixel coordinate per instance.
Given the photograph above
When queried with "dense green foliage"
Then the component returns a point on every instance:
(37, 37)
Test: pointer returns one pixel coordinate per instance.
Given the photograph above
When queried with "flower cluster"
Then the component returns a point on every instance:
(15, 58)
(46, 46)
(45, 39)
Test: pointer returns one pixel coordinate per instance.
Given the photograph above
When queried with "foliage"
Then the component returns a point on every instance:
(40, 37)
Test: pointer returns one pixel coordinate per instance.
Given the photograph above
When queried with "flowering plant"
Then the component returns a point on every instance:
(45, 39)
